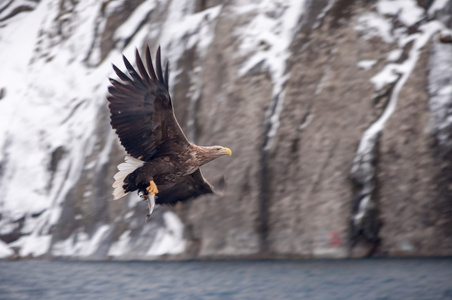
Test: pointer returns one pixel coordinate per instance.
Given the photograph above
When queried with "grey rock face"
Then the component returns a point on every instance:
(337, 114)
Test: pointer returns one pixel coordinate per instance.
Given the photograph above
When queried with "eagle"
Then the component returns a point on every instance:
(161, 163)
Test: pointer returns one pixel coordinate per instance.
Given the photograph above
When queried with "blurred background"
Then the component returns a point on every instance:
(338, 114)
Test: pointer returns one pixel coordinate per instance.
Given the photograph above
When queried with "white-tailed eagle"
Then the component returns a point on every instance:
(160, 161)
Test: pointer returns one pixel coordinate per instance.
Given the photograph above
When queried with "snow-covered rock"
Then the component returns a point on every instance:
(312, 97)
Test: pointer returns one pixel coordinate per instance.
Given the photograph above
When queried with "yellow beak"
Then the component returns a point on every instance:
(226, 151)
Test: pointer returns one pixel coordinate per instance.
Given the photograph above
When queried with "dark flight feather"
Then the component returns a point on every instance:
(141, 108)
(159, 67)
(149, 64)
(144, 74)
(166, 74)
(191, 186)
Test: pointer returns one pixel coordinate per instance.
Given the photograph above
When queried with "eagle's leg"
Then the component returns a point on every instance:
(152, 188)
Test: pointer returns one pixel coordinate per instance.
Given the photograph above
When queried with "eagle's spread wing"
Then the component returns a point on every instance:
(191, 186)
(141, 109)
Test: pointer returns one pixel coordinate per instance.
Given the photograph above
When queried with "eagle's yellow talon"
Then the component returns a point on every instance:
(152, 188)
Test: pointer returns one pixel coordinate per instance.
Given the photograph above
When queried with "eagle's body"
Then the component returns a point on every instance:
(166, 170)
(161, 159)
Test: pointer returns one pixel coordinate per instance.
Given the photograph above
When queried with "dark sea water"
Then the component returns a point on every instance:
(427, 279)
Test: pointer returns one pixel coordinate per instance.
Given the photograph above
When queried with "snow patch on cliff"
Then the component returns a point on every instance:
(406, 11)
(80, 244)
(35, 107)
(266, 40)
(11, 8)
(131, 25)
(437, 5)
(268, 35)
(33, 245)
(121, 246)
(5, 250)
(185, 30)
(363, 169)
(169, 239)
(440, 90)
(367, 64)
(324, 12)
(372, 24)
(51, 99)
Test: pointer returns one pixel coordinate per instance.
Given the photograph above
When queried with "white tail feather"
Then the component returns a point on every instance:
(125, 168)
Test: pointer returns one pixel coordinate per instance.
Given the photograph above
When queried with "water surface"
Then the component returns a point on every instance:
(380, 279)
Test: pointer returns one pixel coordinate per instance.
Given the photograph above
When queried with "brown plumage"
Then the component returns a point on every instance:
(158, 151)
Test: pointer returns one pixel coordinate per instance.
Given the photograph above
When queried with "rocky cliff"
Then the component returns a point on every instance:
(338, 113)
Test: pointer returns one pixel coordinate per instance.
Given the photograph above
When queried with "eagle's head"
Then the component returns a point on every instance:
(209, 153)
(218, 151)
